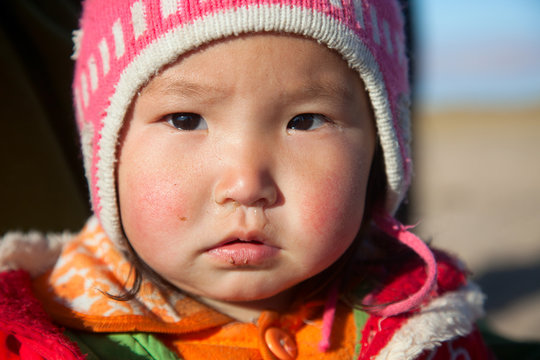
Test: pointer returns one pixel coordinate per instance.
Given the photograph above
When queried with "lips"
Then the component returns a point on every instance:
(243, 250)
(239, 241)
(242, 237)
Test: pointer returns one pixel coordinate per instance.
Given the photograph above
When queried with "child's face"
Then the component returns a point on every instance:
(244, 167)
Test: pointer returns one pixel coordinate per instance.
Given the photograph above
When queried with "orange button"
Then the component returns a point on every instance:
(280, 343)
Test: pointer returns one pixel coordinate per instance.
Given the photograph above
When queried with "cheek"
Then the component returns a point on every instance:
(333, 206)
(149, 204)
(333, 203)
(151, 200)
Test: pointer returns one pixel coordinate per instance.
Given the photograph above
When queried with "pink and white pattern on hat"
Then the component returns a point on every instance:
(123, 43)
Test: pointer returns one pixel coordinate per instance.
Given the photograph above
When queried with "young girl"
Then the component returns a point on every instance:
(244, 159)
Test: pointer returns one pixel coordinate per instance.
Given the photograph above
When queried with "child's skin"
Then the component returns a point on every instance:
(223, 145)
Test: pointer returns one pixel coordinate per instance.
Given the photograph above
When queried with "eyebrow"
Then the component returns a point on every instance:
(175, 86)
(328, 89)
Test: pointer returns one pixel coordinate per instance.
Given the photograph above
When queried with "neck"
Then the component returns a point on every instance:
(249, 311)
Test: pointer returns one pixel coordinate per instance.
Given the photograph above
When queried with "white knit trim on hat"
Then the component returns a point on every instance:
(262, 18)
(87, 138)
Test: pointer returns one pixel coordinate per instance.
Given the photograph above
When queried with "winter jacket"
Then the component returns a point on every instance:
(54, 304)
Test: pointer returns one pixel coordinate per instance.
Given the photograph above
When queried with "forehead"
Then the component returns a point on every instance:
(293, 62)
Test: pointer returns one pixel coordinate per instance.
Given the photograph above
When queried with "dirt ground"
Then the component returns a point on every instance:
(477, 193)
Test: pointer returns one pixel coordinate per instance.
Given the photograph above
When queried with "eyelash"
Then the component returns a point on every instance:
(193, 121)
(319, 119)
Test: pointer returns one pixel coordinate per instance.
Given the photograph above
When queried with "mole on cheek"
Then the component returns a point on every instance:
(160, 201)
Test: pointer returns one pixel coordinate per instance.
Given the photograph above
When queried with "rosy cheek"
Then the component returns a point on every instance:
(152, 205)
(321, 207)
(333, 205)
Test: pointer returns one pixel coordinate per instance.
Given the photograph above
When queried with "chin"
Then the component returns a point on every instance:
(248, 293)
(245, 296)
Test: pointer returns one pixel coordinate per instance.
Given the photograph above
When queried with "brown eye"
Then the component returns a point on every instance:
(306, 122)
(186, 121)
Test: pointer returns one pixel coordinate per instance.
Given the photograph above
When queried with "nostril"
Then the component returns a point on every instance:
(250, 186)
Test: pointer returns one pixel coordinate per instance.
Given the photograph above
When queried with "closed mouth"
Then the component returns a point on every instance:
(252, 238)
(238, 241)
(240, 253)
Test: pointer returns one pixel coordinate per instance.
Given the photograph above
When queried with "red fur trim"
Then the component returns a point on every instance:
(377, 333)
(407, 279)
(25, 329)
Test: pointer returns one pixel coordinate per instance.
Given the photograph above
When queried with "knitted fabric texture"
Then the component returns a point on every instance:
(122, 44)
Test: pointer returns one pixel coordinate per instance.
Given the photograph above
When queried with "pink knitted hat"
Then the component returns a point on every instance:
(123, 43)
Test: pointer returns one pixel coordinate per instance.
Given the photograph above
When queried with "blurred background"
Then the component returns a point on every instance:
(477, 147)
(476, 128)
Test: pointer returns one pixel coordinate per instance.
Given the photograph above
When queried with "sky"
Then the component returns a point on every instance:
(477, 52)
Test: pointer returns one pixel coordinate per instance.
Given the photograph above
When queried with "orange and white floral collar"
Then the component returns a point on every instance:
(75, 292)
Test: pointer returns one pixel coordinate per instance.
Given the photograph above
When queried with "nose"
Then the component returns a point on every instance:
(246, 177)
